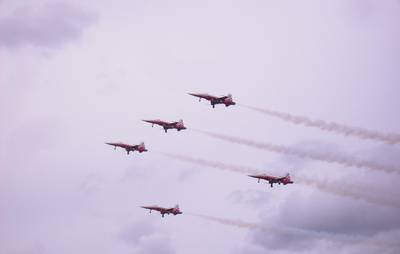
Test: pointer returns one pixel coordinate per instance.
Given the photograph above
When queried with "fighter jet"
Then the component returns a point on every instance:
(272, 179)
(129, 148)
(167, 125)
(227, 100)
(174, 210)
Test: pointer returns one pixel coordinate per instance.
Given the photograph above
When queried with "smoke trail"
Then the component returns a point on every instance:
(264, 227)
(213, 164)
(332, 188)
(346, 161)
(389, 138)
(236, 223)
(347, 191)
(296, 232)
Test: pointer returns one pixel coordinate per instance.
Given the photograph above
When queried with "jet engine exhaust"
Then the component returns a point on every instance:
(337, 189)
(331, 158)
(388, 138)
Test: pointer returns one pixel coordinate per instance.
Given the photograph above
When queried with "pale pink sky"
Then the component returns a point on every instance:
(75, 75)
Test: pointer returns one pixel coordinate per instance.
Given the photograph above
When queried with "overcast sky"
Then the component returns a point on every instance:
(74, 75)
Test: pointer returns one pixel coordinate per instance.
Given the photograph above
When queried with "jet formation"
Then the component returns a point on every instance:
(214, 100)
(167, 125)
(173, 210)
(129, 148)
(179, 125)
(273, 179)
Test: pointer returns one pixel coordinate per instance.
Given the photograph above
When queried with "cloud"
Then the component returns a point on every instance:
(155, 243)
(44, 25)
(145, 238)
(318, 212)
(132, 233)
(281, 241)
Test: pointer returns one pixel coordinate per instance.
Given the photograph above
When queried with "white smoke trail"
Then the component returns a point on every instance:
(348, 191)
(264, 227)
(213, 164)
(236, 223)
(343, 239)
(389, 138)
(333, 188)
(343, 160)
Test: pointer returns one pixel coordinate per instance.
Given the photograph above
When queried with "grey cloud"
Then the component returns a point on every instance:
(132, 233)
(145, 238)
(46, 25)
(282, 241)
(155, 243)
(316, 212)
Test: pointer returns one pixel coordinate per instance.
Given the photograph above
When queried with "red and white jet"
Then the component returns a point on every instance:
(167, 125)
(272, 179)
(227, 100)
(174, 210)
(129, 148)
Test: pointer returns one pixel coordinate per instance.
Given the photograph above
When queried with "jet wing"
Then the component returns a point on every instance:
(264, 177)
(158, 122)
(155, 208)
(204, 96)
(119, 144)
(258, 176)
(152, 121)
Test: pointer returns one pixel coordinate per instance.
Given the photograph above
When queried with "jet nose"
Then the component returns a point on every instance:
(252, 176)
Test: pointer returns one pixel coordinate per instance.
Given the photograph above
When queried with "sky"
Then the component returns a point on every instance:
(76, 74)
